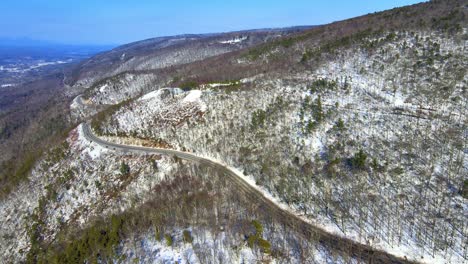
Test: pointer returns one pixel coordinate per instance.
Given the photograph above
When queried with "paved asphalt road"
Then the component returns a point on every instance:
(361, 251)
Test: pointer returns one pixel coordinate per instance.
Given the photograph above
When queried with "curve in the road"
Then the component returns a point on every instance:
(362, 251)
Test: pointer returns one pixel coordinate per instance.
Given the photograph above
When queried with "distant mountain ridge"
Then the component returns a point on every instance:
(162, 52)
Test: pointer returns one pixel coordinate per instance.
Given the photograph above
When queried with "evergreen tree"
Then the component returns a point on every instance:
(124, 168)
(359, 160)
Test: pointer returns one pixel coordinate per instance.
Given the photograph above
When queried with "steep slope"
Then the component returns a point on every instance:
(367, 111)
(88, 202)
(163, 52)
(133, 69)
(246, 188)
(290, 54)
(37, 113)
(34, 117)
(358, 127)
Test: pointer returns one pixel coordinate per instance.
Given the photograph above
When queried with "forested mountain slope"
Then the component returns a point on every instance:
(358, 127)
(36, 114)
(164, 52)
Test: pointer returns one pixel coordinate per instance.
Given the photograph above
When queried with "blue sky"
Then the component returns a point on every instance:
(123, 21)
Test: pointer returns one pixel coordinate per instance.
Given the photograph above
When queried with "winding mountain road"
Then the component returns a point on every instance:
(361, 251)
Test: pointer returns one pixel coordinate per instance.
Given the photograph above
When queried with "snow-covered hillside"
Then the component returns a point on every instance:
(76, 182)
(345, 143)
(370, 145)
(79, 183)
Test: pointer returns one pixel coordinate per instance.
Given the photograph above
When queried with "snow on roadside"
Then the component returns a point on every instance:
(368, 97)
(400, 251)
(315, 143)
(92, 149)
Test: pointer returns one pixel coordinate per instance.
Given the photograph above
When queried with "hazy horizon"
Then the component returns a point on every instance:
(118, 22)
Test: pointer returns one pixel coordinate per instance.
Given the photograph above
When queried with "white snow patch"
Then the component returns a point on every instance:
(157, 93)
(233, 41)
(247, 255)
(77, 102)
(167, 254)
(193, 96)
(150, 95)
(103, 88)
(214, 85)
